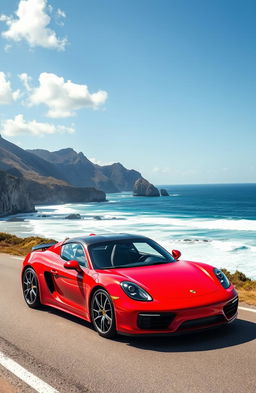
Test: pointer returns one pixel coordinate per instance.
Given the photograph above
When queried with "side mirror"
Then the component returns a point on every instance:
(176, 254)
(73, 265)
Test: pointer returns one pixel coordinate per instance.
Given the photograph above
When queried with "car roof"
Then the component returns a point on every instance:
(102, 238)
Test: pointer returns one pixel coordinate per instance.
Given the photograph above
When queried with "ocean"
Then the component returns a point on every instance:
(214, 224)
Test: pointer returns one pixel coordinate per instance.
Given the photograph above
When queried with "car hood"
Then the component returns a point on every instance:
(180, 279)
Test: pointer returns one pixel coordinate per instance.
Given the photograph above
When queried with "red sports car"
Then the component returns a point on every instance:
(127, 284)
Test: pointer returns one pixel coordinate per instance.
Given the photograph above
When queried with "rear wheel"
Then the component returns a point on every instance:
(30, 288)
(102, 314)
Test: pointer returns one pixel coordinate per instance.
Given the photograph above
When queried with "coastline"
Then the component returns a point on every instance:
(217, 228)
(13, 245)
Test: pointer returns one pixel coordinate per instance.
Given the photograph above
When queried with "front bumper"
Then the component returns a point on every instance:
(143, 322)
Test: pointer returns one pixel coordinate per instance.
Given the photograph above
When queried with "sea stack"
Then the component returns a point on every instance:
(164, 192)
(143, 188)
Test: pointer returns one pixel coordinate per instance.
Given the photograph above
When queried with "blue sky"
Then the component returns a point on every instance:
(171, 84)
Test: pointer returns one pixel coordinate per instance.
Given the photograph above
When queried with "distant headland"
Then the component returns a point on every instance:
(30, 177)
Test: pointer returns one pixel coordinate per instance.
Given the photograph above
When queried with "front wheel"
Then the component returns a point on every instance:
(30, 288)
(102, 314)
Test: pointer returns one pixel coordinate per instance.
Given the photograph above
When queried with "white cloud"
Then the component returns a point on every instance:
(25, 79)
(7, 47)
(98, 162)
(31, 24)
(62, 98)
(7, 95)
(18, 126)
(60, 13)
(174, 171)
(161, 170)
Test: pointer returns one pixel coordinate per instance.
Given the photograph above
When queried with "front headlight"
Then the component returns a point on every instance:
(222, 278)
(135, 292)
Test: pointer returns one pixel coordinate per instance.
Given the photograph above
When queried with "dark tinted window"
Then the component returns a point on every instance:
(127, 254)
(73, 252)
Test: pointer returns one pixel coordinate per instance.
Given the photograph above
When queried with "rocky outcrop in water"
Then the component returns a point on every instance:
(73, 216)
(164, 192)
(143, 188)
(14, 197)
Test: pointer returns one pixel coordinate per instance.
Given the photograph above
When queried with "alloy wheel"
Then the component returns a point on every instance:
(102, 313)
(30, 287)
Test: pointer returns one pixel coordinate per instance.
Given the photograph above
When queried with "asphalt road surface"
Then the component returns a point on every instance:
(68, 354)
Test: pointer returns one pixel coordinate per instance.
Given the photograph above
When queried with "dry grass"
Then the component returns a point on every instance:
(248, 297)
(245, 286)
(14, 245)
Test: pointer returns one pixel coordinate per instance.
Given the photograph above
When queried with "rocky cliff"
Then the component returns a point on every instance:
(42, 180)
(123, 179)
(13, 195)
(52, 193)
(143, 188)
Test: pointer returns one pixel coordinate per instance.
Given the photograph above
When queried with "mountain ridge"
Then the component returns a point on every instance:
(37, 181)
(63, 176)
(79, 171)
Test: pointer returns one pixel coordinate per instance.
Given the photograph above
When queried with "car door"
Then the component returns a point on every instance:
(71, 286)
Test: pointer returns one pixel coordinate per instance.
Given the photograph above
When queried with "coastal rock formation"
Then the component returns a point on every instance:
(43, 181)
(66, 167)
(143, 188)
(123, 179)
(164, 192)
(73, 216)
(51, 193)
(65, 176)
(13, 196)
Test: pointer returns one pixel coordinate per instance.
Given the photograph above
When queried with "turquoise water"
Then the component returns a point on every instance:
(208, 223)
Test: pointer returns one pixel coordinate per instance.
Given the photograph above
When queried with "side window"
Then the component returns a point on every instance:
(79, 254)
(67, 252)
(73, 252)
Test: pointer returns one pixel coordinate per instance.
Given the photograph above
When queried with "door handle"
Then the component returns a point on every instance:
(54, 272)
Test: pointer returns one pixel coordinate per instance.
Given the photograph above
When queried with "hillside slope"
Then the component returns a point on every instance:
(79, 171)
(41, 181)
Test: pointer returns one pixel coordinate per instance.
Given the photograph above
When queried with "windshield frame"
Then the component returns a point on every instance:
(161, 250)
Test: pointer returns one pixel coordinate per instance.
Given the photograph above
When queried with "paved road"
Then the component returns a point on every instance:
(66, 353)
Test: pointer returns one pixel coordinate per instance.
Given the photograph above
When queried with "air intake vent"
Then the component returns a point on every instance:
(155, 321)
(202, 322)
(231, 308)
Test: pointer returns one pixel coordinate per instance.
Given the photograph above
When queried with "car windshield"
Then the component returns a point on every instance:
(127, 253)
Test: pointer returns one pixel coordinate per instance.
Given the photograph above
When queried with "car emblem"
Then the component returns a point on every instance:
(192, 291)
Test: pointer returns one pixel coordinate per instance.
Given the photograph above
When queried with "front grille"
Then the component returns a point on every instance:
(230, 309)
(155, 321)
(202, 322)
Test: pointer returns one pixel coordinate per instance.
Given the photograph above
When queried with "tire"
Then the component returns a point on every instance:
(30, 288)
(103, 314)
